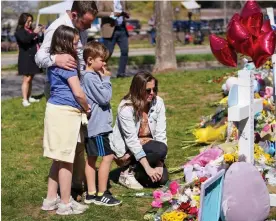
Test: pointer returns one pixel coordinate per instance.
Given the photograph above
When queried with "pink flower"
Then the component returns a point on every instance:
(266, 128)
(156, 204)
(157, 194)
(167, 196)
(174, 187)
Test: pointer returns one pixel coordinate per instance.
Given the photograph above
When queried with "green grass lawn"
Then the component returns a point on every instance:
(142, 60)
(24, 170)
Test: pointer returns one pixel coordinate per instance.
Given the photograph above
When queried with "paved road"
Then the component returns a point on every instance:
(12, 58)
(11, 85)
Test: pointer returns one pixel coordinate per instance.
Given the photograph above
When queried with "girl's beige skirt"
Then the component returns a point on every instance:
(61, 131)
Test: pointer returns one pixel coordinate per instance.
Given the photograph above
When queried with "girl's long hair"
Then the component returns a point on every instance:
(137, 92)
(22, 20)
(63, 40)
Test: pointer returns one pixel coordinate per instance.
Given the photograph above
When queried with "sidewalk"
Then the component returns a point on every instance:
(11, 85)
(9, 59)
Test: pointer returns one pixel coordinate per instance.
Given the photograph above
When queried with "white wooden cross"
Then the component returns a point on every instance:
(243, 111)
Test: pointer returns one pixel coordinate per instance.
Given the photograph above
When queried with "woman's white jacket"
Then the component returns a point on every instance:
(126, 128)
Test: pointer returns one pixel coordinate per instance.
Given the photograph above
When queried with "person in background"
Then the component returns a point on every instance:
(113, 30)
(139, 136)
(97, 87)
(28, 42)
(81, 16)
(152, 24)
(63, 118)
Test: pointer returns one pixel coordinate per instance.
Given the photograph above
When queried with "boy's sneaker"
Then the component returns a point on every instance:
(25, 103)
(33, 100)
(49, 205)
(128, 180)
(89, 199)
(107, 200)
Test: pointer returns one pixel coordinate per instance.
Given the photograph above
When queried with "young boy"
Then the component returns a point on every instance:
(97, 87)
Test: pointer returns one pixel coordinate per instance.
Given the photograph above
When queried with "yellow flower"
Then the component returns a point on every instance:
(174, 216)
(229, 158)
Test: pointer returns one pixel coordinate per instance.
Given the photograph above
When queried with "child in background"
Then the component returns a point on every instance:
(97, 87)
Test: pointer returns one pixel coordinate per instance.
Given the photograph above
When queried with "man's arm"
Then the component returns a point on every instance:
(43, 59)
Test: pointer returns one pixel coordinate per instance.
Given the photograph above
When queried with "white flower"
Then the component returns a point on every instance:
(188, 192)
(193, 203)
(183, 198)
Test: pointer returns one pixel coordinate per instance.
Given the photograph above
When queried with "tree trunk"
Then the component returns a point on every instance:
(164, 51)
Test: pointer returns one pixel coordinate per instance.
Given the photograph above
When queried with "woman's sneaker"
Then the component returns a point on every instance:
(128, 180)
(49, 205)
(107, 200)
(67, 209)
(89, 198)
(71, 208)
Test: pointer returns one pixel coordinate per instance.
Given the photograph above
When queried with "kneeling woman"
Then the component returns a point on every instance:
(139, 135)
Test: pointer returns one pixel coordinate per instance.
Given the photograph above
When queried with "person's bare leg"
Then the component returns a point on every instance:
(53, 181)
(104, 172)
(30, 87)
(90, 173)
(25, 86)
(65, 180)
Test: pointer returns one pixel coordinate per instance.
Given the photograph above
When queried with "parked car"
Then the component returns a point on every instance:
(133, 25)
(8, 42)
(94, 31)
(183, 26)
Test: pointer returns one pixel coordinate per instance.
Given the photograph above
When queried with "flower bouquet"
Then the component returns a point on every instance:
(176, 202)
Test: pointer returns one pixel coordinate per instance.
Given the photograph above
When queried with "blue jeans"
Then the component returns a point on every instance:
(121, 38)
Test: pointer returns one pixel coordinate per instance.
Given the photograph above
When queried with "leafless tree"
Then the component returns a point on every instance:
(165, 51)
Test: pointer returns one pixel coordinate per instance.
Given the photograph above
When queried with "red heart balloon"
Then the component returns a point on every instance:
(264, 47)
(253, 23)
(250, 8)
(222, 51)
(235, 17)
(246, 47)
(239, 38)
(266, 27)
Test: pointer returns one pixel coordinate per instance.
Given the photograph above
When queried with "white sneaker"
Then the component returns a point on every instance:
(71, 208)
(33, 100)
(49, 205)
(128, 180)
(25, 103)
(67, 209)
(78, 206)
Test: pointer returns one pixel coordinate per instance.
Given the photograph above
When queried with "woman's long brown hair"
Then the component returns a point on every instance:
(137, 92)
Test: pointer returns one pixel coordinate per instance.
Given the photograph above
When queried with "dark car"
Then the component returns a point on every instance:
(183, 25)
(133, 25)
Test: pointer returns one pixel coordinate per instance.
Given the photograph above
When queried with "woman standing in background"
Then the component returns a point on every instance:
(27, 40)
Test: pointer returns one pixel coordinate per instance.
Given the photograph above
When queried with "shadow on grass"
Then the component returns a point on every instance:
(39, 96)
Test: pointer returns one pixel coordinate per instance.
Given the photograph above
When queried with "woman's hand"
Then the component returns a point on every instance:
(160, 170)
(37, 29)
(153, 174)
